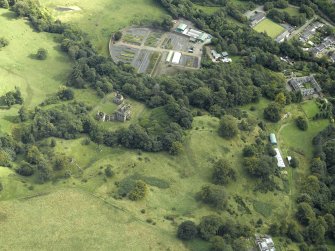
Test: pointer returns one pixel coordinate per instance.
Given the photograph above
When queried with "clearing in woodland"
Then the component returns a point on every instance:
(19, 68)
(100, 18)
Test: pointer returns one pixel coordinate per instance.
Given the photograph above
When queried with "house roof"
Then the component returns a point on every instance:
(273, 138)
(280, 160)
(176, 57)
(182, 26)
(203, 37)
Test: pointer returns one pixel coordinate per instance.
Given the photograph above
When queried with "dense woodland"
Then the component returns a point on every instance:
(216, 89)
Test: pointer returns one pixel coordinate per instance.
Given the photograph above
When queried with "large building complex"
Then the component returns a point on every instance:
(307, 85)
(195, 35)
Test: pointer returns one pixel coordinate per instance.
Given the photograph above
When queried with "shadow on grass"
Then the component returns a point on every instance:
(33, 56)
(9, 15)
(11, 119)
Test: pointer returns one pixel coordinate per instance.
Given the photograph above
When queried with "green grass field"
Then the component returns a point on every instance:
(269, 27)
(185, 175)
(291, 10)
(207, 9)
(97, 223)
(18, 67)
(82, 212)
(101, 18)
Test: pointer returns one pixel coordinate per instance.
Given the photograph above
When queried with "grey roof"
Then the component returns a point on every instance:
(182, 26)
(297, 84)
(282, 36)
(257, 17)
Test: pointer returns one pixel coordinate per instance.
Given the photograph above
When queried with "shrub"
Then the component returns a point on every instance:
(25, 169)
(228, 128)
(139, 191)
(3, 42)
(176, 148)
(249, 151)
(187, 230)
(4, 4)
(209, 226)
(214, 196)
(301, 123)
(117, 35)
(42, 54)
(65, 94)
(272, 112)
(294, 162)
(223, 173)
(109, 172)
(305, 213)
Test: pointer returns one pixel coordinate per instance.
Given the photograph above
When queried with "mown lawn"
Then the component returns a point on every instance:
(310, 108)
(270, 28)
(100, 18)
(301, 141)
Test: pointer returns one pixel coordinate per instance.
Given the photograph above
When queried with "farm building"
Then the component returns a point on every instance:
(181, 27)
(197, 35)
(265, 243)
(280, 160)
(176, 57)
(273, 139)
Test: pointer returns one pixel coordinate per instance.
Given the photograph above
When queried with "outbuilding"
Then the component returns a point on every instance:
(181, 27)
(176, 57)
(273, 139)
(280, 160)
(224, 54)
(169, 56)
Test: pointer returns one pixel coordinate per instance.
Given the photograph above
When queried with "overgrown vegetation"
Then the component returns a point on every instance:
(216, 89)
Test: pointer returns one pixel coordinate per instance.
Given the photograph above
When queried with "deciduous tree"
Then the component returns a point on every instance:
(187, 230)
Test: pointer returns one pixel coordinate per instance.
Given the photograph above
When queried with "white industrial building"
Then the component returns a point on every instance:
(176, 57)
(280, 160)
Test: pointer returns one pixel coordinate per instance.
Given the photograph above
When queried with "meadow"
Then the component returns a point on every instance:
(18, 66)
(96, 222)
(84, 211)
(207, 9)
(97, 213)
(103, 17)
(293, 11)
(270, 28)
